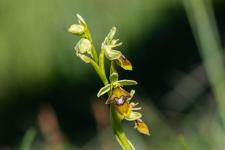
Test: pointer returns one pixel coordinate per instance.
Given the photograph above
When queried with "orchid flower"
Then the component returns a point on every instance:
(114, 55)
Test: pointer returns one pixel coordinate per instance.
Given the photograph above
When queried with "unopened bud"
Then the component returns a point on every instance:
(76, 29)
(83, 46)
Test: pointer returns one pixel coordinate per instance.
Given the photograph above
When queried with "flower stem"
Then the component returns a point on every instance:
(99, 72)
(102, 65)
(116, 121)
(93, 49)
(118, 130)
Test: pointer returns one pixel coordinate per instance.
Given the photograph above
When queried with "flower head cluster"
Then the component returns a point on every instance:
(118, 98)
(122, 101)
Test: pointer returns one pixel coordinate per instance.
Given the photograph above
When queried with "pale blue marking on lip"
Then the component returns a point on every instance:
(120, 101)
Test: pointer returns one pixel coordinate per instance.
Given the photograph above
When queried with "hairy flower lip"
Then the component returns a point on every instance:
(117, 93)
(141, 126)
(109, 100)
(123, 62)
(123, 109)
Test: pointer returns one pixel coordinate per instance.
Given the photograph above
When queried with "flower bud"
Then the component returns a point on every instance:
(76, 29)
(112, 54)
(83, 47)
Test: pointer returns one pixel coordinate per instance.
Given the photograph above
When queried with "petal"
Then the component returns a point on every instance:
(123, 62)
(104, 90)
(110, 36)
(115, 44)
(132, 92)
(81, 20)
(113, 77)
(117, 93)
(126, 82)
(133, 116)
(112, 54)
(137, 108)
(142, 127)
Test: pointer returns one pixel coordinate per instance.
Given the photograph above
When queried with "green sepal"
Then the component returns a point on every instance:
(112, 54)
(85, 58)
(81, 20)
(104, 90)
(110, 36)
(126, 82)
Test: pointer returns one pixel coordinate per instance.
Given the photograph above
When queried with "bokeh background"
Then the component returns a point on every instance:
(48, 95)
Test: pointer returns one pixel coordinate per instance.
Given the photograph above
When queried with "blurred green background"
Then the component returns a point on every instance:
(48, 95)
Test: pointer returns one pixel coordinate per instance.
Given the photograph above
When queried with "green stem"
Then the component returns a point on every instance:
(118, 130)
(112, 67)
(116, 121)
(99, 72)
(102, 65)
(94, 52)
(93, 49)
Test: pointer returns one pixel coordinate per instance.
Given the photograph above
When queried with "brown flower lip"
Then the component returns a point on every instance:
(123, 109)
(142, 127)
(116, 94)
(124, 62)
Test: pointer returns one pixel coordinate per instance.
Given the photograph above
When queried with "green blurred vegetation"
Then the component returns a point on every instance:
(35, 44)
(37, 58)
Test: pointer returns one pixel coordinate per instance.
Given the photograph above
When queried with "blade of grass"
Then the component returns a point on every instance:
(205, 31)
(28, 139)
